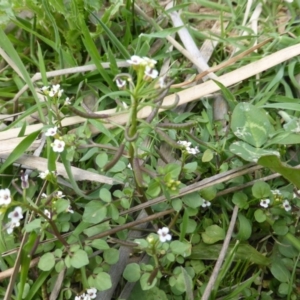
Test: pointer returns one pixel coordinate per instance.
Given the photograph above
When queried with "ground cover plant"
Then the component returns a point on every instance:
(149, 149)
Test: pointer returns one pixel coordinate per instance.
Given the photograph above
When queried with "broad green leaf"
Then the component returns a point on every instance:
(105, 195)
(188, 284)
(46, 262)
(280, 271)
(240, 199)
(245, 228)
(144, 281)
(250, 153)
(280, 227)
(94, 212)
(208, 155)
(250, 124)
(62, 205)
(261, 190)
(182, 248)
(273, 162)
(208, 193)
(213, 234)
(177, 204)
(35, 224)
(192, 200)
(100, 244)
(260, 216)
(102, 281)
(111, 256)
(132, 272)
(101, 159)
(79, 259)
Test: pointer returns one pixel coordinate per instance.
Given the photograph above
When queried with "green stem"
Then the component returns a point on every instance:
(84, 278)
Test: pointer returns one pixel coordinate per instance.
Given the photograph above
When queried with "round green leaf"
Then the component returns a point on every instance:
(79, 259)
(62, 205)
(261, 190)
(245, 228)
(213, 234)
(260, 216)
(111, 256)
(94, 212)
(101, 159)
(182, 248)
(177, 204)
(280, 271)
(100, 244)
(144, 281)
(105, 195)
(250, 124)
(102, 281)
(280, 227)
(240, 199)
(208, 155)
(118, 167)
(132, 272)
(47, 262)
(192, 200)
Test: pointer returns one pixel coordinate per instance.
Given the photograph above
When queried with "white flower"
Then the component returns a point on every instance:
(289, 1)
(67, 101)
(43, 175)
(51, 131)
(276, 192)
(164, 234)
(44, 195)
(92, 292)
(120, 83)
(83, 297)
(265, 203)
(135, 60)
(206, 204)
(188, 148)
(47, 213)
(59, 194)
(129, 166)
(45, 89)
(16, 215)
(296, 195)
(5, 197)
(11, 225)
(55, 91)
(149, 62)
(70, 210)
(150, 73)
(58, 145)
(286, 205)
(24, 181)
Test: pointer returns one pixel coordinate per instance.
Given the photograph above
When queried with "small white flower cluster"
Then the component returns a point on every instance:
(164, 235)
(188, 149)
(90, 294)
(58, 145)
(15, 216)
(265, 203)
(43, 175)
(206, 204)
(147, 63)
(52, 91)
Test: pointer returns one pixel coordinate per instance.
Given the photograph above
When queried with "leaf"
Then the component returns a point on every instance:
(79, 259)
(192, 200)
(132, 272)
(208, 155)
(188, 284)
(111, 256)
(260, 216)
(105, 195)
(19, 150)
(245, 228)
(46, 262)
(280, 227)
(213, 234)
(33, 225)
(280, 271)
(144, 281)
(100, 244)
(244, 252)
(102, 281)
(94, 212)
(182, 248)
(250, 124)
(261, 190)
(101, 159)
(249, 153)
(273, 162)
(240, 199)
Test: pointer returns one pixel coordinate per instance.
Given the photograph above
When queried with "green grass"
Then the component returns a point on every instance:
(229, 199)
